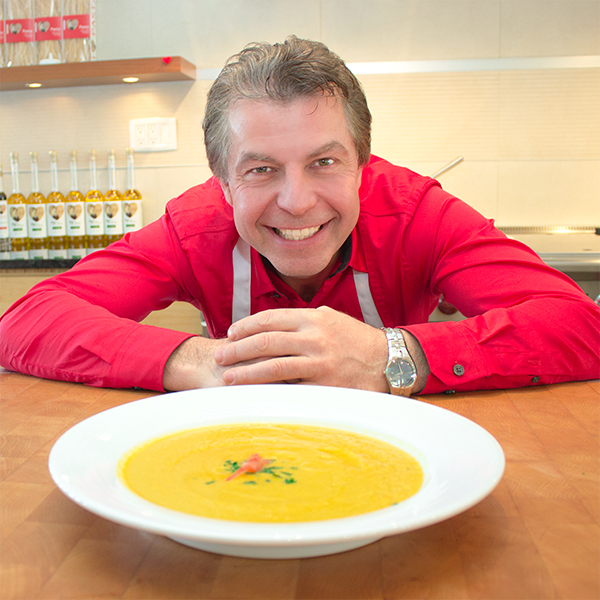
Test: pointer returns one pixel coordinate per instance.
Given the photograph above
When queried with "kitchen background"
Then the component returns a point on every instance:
(513, 86)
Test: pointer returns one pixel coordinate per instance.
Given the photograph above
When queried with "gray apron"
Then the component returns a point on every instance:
(241, 288)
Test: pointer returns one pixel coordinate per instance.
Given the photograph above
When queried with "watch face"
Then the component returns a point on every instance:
(400, 373)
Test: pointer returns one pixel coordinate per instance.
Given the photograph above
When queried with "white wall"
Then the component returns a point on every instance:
(530, 136)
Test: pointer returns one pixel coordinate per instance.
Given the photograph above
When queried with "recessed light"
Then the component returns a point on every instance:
(34, 85)
(130, 79)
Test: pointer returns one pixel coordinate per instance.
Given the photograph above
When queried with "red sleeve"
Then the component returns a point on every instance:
(82, 325)
(526, 322)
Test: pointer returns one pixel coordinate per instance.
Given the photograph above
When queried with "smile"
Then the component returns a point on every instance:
(297, 234)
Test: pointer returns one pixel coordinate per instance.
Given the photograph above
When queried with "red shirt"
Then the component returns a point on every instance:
(527, 323)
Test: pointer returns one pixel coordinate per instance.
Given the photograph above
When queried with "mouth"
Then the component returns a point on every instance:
(297, 234)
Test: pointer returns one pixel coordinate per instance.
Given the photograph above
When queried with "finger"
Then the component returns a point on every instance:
(275, 370)
(281, 319)
(270, 344)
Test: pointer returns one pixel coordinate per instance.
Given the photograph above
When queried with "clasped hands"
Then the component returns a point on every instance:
(312, 346)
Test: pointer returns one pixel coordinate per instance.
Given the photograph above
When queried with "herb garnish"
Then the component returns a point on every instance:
(253, 466)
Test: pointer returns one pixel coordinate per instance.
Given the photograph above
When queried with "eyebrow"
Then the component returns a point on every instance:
(324, 149)
(254, 156)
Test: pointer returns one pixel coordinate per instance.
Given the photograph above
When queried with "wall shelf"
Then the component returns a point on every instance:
(106, 72)
(37, 265)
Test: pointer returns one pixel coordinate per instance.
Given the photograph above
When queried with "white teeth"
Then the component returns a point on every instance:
(297, 234)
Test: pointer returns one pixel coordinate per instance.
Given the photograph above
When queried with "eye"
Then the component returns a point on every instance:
(324, 162)
(260, 170)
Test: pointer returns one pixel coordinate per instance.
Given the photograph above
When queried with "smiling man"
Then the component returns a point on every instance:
(311, 261)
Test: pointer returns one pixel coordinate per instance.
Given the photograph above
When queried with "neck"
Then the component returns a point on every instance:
(307, 287)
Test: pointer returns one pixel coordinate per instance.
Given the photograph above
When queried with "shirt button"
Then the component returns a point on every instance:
(535, 379)
(458, 370)
(275, 295)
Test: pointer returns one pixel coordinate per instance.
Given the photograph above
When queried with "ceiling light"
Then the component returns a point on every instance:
(34, 85)
(130, 79)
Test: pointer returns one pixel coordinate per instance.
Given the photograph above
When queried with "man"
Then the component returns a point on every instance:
(298, 252)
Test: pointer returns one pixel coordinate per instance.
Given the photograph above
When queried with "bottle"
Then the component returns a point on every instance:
(94, 219)
(36, 215)
(76, 238)
(4, 238)
(57, 218)
(113, 205)
(132, 199)
(17, 215)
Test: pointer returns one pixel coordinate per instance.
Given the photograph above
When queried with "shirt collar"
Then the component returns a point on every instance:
(262, 283)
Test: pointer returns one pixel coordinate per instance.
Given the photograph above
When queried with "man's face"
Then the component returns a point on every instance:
(293, 182)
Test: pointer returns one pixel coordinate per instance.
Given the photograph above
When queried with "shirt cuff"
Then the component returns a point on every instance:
(141, 361)
(455, 361)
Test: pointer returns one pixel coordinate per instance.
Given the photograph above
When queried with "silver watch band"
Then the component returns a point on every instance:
(397, 349)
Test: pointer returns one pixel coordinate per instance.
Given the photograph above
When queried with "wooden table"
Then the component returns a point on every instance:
(536, 536)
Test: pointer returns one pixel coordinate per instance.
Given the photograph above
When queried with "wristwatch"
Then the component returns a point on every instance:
(400, 370)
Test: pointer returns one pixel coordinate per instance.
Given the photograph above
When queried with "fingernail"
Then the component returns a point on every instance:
(228, 377)
(231, 333)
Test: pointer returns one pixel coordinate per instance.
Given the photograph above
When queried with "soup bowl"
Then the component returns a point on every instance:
(462, 463)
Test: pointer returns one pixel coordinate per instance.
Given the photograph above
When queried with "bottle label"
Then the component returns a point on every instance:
(38, 253)
(58, 253)
(113, 217)
(76, 253)
(94, 220)
(3, 219)
(57, 225)
(76, 26)
(36, 221)
(17, 222)
(18, 30)
(47, 28)
(75, 219)
(19, 254)
(132, 215)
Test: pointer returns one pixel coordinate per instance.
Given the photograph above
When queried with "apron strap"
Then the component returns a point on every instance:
(241, 281)
(365, 299)
(241, 288)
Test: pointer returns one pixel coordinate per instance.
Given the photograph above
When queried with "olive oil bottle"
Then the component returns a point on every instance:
(17, 214)
(76, 238)
(4, 238)
(132, 199)
(94, 219)
(56, 205)
(36, 215)
(113, 204)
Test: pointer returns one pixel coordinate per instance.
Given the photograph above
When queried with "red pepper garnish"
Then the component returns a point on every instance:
(253, 464)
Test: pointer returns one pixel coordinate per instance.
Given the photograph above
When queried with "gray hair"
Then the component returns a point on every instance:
(282, 72)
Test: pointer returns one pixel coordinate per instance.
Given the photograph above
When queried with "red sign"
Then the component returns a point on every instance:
(47, 28)
(18, 30)
(76, 26)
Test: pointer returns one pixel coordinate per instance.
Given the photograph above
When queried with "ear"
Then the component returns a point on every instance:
(226, 192)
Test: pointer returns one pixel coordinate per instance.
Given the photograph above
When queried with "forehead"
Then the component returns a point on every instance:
(318, 119)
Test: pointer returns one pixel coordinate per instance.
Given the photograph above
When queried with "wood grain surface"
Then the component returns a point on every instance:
(536, 536)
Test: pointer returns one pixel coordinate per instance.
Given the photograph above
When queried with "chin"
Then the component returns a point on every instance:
(298, 271)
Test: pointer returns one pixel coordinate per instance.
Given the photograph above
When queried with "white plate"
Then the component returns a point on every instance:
(462, 464)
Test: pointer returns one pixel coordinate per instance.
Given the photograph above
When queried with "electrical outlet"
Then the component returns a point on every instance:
(140, 138)
(153, 135)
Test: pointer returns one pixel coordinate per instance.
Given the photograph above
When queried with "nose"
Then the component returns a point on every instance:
(296, 195)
